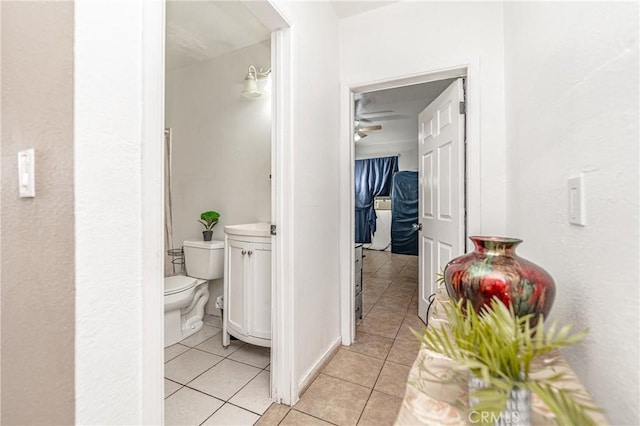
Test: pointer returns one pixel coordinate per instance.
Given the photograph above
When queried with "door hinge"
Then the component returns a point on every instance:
(462, 107)
(273, 230)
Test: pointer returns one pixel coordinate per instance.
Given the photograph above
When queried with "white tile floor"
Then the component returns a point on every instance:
(206, 384)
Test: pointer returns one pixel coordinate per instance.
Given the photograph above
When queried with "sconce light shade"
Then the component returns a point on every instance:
(251, 88)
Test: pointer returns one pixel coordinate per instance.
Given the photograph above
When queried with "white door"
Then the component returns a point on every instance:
(441, 188)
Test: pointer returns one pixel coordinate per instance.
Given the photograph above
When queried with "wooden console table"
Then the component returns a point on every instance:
(429, 400)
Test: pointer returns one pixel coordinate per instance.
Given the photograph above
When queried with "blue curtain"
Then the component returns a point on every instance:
(372, 179)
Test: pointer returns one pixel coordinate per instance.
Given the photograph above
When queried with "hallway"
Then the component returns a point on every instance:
(364, 383)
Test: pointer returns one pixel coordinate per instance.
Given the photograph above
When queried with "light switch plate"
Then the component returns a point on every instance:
(577, 212)
(26, 173)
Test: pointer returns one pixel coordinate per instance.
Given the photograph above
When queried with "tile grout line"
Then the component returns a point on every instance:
(215, 354)
(377, 377)
(235, 360)
(190, 381)
(386, 357)
(225, 400)
(383, 363)
(306, 414)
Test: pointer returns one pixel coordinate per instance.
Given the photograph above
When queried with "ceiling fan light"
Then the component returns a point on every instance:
(357, 135)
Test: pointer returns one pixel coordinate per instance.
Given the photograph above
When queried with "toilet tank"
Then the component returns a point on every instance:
(204, 259)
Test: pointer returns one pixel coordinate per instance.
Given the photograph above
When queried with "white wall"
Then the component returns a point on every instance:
(108, 216)
(109, 159)
(408, 38)
(315, 257)
(572, 107)
(221, 143)
(221, 157)
(408, 151)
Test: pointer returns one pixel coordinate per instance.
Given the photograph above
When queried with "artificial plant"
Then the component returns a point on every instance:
(499, 347)
(209, 219)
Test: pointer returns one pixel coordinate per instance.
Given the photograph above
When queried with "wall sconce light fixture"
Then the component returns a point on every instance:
(255, 82)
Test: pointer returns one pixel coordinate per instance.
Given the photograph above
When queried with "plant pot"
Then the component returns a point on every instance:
(517, 411)
(207, 235)
(494, 270)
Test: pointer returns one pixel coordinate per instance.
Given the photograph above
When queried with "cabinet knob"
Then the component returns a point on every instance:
(249, 252)
(244, 252)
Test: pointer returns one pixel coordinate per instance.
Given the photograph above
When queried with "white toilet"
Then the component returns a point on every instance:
(185, 296)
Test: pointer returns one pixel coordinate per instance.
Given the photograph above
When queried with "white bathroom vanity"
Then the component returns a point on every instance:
(247, 284)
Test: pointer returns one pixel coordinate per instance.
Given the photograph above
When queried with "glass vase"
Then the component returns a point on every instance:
(494, 269)
(517, 411)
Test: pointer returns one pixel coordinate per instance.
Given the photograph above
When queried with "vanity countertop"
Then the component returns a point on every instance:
(260, 229)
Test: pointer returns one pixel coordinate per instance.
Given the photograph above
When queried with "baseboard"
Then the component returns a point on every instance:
(316, 368)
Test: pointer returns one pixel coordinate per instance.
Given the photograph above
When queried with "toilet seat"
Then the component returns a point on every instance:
(178, 283)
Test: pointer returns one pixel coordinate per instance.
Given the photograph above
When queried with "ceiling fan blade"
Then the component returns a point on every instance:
(386, 117)
(376, 112)
(370, 128)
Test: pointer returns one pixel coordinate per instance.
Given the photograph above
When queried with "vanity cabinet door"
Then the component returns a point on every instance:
(237, 271)
(259, 291)
(248, 291)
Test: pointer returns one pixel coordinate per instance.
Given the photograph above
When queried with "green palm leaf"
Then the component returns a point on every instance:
(499, 347)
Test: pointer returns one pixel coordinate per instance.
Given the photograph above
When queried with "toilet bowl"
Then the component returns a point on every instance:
(185, 296)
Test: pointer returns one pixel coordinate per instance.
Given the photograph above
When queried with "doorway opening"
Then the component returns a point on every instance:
(387, 103)
(227, 138)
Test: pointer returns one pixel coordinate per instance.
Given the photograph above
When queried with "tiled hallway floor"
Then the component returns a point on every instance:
(362, 384)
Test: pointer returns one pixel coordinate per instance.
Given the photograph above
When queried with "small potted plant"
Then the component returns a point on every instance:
(496, 348)
(208, 220)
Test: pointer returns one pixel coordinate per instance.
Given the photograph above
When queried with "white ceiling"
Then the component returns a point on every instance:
(201, 30)
(397, 111)
(204, 29)
(344, 9)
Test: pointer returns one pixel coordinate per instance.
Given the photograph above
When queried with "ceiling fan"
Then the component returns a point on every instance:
(359, 129)
(361, 124)
(363, 118)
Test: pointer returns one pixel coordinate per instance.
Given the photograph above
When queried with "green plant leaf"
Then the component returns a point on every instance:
(564, 404)
(209, 219)
(499, 347)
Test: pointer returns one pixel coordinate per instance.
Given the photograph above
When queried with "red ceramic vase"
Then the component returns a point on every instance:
(494, 269)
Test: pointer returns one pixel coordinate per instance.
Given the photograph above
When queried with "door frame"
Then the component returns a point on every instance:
(152, 62)
(469, 68)
(283, 387)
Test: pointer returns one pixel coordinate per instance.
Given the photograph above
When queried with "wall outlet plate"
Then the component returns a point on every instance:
(577, 212)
